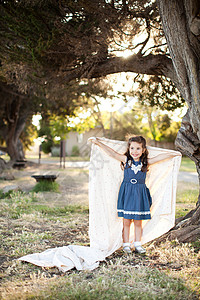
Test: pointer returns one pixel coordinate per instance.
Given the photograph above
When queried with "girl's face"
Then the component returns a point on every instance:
(136, 150)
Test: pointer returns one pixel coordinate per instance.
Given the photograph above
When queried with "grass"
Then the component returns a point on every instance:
(187, 165)
(29, 225)
(16, 204)
(168, 271)
(186, 198)
(118, 281)
(46, 186)
(187, 192)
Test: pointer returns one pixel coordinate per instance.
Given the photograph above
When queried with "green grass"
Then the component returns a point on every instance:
(116, 282)
(187, 165)
(60, 211)
(186, 198)
(15, 204)
(46, 186)
(187, 192)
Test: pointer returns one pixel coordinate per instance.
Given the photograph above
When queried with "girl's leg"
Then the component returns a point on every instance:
(138, 236)
(125, 235)
(126, 230)
(138, 230)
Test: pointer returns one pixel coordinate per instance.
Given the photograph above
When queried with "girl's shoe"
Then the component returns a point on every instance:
(127, 248)
(140, 250)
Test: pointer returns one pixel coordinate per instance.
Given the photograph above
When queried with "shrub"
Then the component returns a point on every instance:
(75, 151)
(46, 186)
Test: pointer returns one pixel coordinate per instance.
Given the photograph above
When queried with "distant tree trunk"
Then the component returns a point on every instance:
(14, 146)
(15, 123)
(15, 149)
(181, 25)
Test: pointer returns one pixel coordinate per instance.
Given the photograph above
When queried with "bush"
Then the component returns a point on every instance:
(46, 186)
(46, 146)
(75, 151)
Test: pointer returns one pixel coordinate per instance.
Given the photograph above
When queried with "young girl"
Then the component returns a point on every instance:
(134, 199)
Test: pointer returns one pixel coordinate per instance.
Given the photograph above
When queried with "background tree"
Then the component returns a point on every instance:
(125, 124)
(14, 111)
(158, 94)
(84, 97)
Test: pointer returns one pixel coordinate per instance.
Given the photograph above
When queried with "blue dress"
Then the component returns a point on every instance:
(134, 199)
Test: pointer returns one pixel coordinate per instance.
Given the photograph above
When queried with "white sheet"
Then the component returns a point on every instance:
(105, 228)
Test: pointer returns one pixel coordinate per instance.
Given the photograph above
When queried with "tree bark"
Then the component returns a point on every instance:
(13, 121)
(184, 49)
(182, 35)
(150, 65)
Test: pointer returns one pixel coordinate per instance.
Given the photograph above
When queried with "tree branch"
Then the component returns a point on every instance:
(150, 65)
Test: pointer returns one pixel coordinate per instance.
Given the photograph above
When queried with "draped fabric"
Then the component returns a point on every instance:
(105, 227)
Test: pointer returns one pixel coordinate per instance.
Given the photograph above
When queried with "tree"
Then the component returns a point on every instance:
(84, 96)
(14, 113)
(78, 39)
(155, 93)
(53, 104)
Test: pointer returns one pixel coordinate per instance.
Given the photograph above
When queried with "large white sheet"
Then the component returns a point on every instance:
(105, 228)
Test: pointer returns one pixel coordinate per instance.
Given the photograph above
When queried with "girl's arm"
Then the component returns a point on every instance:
(110, 151)
(162, 156)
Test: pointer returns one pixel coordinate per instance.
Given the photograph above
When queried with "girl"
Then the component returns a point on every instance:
(134, 199)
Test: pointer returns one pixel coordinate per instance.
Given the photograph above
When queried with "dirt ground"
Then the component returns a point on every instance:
(73, 184)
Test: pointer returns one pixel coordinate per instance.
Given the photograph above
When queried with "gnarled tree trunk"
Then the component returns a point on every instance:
(181, 25)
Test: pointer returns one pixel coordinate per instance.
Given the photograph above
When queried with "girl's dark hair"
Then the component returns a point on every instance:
(144, 158)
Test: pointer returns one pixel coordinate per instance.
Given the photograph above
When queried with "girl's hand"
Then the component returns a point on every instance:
(92, 140)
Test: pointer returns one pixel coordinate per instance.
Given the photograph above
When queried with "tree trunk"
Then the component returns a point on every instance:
(188, 143)
(180, 27)
(16, 120)
(15, 149)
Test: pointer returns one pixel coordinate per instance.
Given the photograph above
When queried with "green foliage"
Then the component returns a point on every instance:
(125, 124)
(158, 91)
(58, 126)
(46, 186)
(28, 134)
(75, 151)
(169, 135)
(45, 133)
(27, 26)
(158, 126)
(47, 145)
